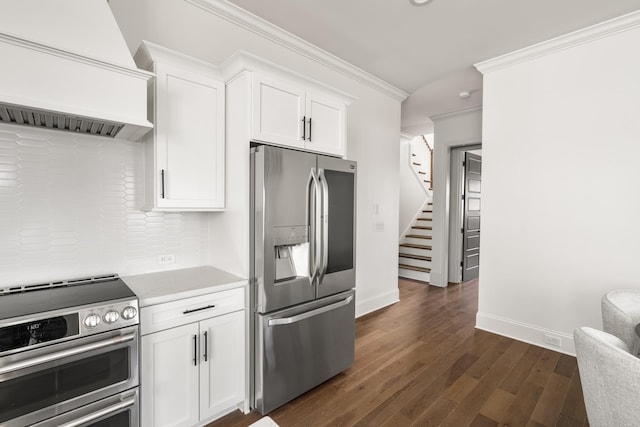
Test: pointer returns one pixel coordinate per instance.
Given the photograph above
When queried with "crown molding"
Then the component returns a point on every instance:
(238, 16)
(148, 53)
(567, 41)
(244, 61)
(73, 56)
(457, 112)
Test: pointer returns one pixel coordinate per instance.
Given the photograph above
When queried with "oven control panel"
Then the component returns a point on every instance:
(63, 325)
(107, 317)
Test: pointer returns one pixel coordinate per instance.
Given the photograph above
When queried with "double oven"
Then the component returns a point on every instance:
(69, 354)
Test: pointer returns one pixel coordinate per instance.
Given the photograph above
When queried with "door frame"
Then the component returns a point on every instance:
(456, 209)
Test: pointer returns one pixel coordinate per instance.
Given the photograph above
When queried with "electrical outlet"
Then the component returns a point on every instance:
(166, 259)
(553, 340)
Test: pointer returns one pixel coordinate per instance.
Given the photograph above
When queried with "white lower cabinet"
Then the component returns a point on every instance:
(193, 373)
(222, 374)
(170, 395)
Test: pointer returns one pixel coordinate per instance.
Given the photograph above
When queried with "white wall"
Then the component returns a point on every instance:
(412, 192)
(373, 122)
(560, 170)
(451, 130)
(68, 210)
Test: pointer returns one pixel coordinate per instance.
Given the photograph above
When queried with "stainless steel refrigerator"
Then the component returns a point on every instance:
(303, 272)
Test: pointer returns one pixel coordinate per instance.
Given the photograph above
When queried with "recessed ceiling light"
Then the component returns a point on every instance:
(419, 2)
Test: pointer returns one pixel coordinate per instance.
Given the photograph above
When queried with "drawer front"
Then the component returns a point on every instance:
(176, 313)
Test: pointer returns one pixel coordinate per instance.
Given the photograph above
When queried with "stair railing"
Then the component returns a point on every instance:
(430, 162)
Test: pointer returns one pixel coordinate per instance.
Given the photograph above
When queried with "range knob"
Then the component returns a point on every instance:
(111, 316)
(92, 320)
(129, 313)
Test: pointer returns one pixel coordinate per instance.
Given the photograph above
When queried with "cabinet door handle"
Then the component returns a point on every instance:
(205, 346)
(195, 350)
(309, 139)
(162, 183)
(304, 127)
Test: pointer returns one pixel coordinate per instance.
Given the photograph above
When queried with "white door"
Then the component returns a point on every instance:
(222, 374)
(190, 139)
(278, 112)
(169, 377)
(326, 129)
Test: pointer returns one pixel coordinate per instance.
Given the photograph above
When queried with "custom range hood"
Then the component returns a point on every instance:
(66, 66)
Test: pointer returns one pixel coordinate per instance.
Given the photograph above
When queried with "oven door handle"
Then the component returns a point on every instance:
(101, 413)
(66, 353)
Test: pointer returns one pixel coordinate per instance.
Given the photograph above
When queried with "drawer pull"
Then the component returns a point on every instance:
(198, 309)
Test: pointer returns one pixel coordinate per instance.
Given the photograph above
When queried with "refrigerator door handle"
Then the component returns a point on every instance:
(324, 225)
(308, 314)
(312, 203)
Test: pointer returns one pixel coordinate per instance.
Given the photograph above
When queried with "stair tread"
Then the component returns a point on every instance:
(427, 210)
(422, 173)
(418, 236)
(414, 246)
(422, 227)
(413, 256)
(412, 267)
(424, 219)
(417, 164)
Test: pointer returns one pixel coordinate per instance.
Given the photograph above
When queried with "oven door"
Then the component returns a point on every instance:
(41, 383)
(120, 410)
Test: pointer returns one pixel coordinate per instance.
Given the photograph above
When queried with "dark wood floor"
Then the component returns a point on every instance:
(421, 362)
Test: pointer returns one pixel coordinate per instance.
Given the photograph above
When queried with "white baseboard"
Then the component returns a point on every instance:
(524, 332)
(377, 302)
(437, 278)
(413, 275)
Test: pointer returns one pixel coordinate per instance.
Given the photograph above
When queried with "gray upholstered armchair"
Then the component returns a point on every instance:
(621, 314)
(610, 377)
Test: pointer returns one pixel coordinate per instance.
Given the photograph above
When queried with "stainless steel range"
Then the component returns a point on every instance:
(69, 354)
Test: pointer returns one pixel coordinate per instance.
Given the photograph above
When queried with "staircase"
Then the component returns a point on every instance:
(414, 256)
(423, 171)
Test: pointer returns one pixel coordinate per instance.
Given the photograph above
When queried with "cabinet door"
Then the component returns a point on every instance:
(222, 374)
(278, 110)
(190, 137)
(169, 378)
(326, 133)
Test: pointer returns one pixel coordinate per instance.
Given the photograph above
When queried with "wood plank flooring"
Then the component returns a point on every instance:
(421, 362)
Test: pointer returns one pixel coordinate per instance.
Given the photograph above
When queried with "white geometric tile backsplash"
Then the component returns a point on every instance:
(68, 209)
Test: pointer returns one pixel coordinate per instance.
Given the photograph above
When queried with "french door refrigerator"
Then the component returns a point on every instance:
(303, 272)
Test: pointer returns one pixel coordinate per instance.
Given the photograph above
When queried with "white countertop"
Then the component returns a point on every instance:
(165, 286)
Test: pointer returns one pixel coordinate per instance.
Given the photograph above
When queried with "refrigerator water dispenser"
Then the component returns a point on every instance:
(291, 252)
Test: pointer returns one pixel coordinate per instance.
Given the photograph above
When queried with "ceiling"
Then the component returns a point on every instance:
(429, 51)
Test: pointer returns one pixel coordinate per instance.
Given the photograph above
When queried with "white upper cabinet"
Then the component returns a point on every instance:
(185, 153)
(278, 111)
(288, 112)
(326, 126)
